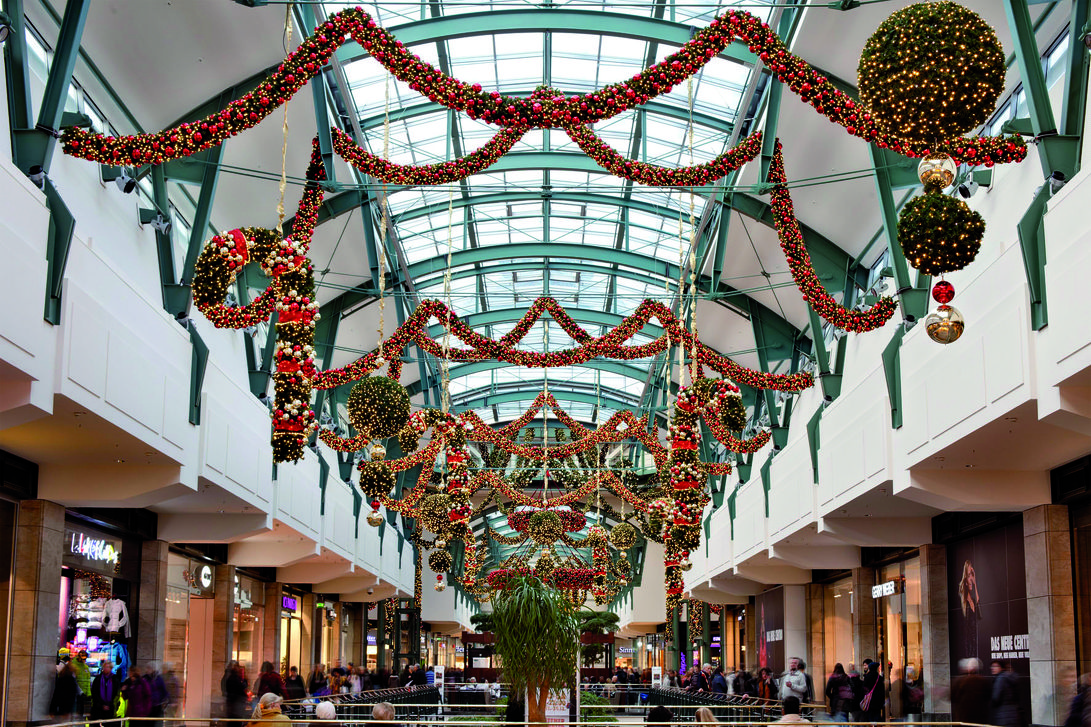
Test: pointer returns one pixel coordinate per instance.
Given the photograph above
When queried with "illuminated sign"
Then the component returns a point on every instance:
(96, 549)
(288, 603)
(884, 589)
(624, 649)
(204, 576)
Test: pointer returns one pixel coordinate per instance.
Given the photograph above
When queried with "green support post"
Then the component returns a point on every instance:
(201, 219)
(198, 365)
(62, 225)
(914, 297)
(20, 111)
(706, 635)
(892, 368)
(814, 440)
(1075, 80)
(380, 636)
(34, 147)
(259, 376)
(1032, 242)
(829, 380)
(164, 243)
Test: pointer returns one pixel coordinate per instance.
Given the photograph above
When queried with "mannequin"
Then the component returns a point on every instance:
(117, 617)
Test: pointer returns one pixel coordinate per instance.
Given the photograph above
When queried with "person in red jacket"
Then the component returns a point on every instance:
(269, 681)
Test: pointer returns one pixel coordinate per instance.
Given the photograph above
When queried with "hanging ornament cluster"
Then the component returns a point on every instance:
(945, 324)
(939, 234)
(931, 72)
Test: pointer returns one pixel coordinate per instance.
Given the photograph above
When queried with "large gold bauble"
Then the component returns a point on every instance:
(945, 324)
(937, 170)
(374, 519)
(441, 586)
(378, 452)
(685, 565)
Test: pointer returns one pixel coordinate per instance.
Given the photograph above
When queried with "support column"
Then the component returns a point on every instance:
(1050, 612)
(729, 637)
(309, 631)
(35, 611)
(706, 635)
(151, 627)
(359, 636)
(863, 616)
(816, 630)
(270, 631)
(380, 635)
(751, 621)
(223, 632)
(935, 634)
(795, 622)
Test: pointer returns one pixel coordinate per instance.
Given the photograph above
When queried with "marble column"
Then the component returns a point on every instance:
(270, 628)
(864, 642)
(815, 655)
(35, 609)
(308, 632)
(751, 645)
(935, 636)
(151, 621)
(223, 631)
(1047, 547)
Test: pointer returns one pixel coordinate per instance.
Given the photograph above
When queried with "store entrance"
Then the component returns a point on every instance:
(899, 639)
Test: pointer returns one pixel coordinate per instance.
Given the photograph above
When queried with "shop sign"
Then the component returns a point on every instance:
(288, 603)
(624, 649)
(884, 589)
(199, 578)
(98, 550)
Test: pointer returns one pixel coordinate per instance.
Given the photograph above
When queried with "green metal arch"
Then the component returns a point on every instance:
(478, 400)
(510, 315)
(461, 370)
(540, 20)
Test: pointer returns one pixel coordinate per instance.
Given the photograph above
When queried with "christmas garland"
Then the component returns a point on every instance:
(570, 521)
(799, 262)
(545, 108)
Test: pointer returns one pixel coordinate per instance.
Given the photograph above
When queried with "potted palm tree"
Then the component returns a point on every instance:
(537, 631)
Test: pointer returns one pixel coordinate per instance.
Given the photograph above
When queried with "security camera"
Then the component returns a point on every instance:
(1056, 181)
(370, 591)
(37, 175)
(967, 189)
(125, 183)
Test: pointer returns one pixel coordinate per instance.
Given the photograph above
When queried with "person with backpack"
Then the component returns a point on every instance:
(840, 697)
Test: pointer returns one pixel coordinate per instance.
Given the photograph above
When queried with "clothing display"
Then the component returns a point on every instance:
(119, 654)
(117, 617)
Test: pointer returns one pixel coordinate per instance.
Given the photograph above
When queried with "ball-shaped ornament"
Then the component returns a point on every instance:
(733, 413)
(376, 479)
(596, 536)
(374, 518)
(545, 527)
(378, 406)
(685, 565)
(939, 234)
(440, 586)
(945, 324)
(931, 72)
(433, 513)
(943, 292)
(937, 171)
(623, 536)
(440, 561)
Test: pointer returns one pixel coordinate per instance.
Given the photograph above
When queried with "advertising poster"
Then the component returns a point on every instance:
(769, 608)
(987, 602)
(657, 676)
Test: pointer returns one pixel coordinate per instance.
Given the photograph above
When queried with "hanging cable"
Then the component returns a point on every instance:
(284, 130)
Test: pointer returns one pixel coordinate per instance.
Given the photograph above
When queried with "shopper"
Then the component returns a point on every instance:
(269, 681)
(158, 697)
(234, 688)
(839, 694)
(138, 698)
(912, 693)
(325, 710)
(83, 680)
(417, 677)
(659, 715)
(704, 714)
(790, 711)
(384, 715)
(874, 694)
(105, 693)
(318, 685)
(65, 689)
(294, 686)
(1005, 696)
(971, 693)
(719, 681)
(809, 698)
(268, 710)
(794, 682)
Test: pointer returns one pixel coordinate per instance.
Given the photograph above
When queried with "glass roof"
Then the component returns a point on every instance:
(567, 202)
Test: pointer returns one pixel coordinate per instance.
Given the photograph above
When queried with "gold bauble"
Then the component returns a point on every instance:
(441, 543)
(945, 324)
(441, 586)
(374, 519)
(937, 170)
(378, 452)
(685, 565)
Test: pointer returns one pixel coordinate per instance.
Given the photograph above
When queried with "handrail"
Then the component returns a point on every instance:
(483, 723)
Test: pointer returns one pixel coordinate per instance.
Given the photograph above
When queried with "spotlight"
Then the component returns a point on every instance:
(37, 175)
(125, 183)
(1056, 181)
(5, 26)
(183, 320)
(968, 188)
(161, 225)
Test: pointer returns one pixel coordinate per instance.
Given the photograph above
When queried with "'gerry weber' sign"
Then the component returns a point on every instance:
(884, 589)
(99, 552)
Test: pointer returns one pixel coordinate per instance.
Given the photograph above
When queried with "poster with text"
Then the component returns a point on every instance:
(987, 602)
(769, 610)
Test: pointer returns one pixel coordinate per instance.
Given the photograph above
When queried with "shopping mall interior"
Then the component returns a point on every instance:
(739, 333)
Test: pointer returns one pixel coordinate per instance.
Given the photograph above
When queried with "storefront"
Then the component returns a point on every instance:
(897, 596)
(249, 615)
(99, 592)
(190, 593)
(291, 632)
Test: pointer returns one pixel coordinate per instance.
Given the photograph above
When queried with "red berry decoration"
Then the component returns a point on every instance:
(943, 292)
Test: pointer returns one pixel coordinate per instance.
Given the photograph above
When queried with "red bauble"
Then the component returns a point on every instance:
(943, 292)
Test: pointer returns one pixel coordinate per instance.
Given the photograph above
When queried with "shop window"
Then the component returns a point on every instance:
(838, 609)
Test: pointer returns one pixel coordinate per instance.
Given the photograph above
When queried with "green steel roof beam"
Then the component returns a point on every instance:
(474, 367)
(480, 400)
(542, 20)
(914, 297)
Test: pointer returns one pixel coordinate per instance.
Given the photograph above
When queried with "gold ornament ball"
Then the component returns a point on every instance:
(686, 565)
(441, 543)
(374, 519)
(937, 170)
(378, 452)
(945, 324)
(441, 586)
